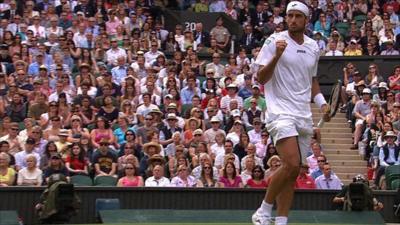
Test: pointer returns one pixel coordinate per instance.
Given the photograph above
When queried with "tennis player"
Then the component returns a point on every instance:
(288, 68)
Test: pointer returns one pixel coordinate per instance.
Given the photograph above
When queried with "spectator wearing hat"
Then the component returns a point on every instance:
(328, 180)
(352, 49)
(389, 50)
(360, 111)
(232, 94)
(388, 155)
(104, 160)
(210, 134)
(167, 131)
(158, 179)
(56, 166)
(304, 180)
(20, 157)
(381, 96)
(192, 125)
(62, 143)
(149, 149)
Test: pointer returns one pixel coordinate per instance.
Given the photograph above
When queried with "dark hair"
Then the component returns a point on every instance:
(106, 122)
(46, 148)
(81, 155)
(3, 143)
(133, 133)
(234, 169)
(229, 142)
(255, 168)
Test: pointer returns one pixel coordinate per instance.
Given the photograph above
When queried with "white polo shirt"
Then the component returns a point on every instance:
(289, 90)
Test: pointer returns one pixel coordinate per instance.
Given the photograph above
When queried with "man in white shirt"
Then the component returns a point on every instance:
(232, 94)
(146, 107)
(158, 179)
(114, 52)
(332, 50)
(80, 36)
(209, 135)
(288, 64)
(216, 66)
(328, 180)
(20, 157)
(219, 159)
(152, 55)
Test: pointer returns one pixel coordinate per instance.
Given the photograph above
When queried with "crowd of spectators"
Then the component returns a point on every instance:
(101, 89)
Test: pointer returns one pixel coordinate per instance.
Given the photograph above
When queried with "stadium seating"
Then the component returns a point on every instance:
(105, 181)
(392, 173)
(81, 180)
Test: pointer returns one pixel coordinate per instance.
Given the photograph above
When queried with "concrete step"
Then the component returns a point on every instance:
(340, 152)
(329, 139)
(336, 163)
(345, 169)
(349, 176)
(337, 146)
(335, 125)
(338, 115)
(333, 120)
(344, 157)
(347, 135)
(326, 130)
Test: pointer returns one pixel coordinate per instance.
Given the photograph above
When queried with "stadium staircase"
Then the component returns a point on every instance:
(337, 140)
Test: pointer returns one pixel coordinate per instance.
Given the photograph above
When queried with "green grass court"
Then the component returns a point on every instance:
(232, 217)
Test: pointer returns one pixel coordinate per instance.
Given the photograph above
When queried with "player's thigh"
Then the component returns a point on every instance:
(289, 152)
(304, 141)
(283, 130)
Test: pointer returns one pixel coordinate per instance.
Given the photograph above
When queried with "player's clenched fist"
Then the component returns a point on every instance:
(280, 47)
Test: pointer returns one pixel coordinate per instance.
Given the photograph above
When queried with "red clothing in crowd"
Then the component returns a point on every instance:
(305, 182)
(252, 184)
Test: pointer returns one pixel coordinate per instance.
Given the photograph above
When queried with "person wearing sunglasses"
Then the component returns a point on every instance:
(105, 162)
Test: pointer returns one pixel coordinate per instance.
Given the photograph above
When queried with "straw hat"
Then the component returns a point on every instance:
(156, 158)
(275, 157)
(151, 144)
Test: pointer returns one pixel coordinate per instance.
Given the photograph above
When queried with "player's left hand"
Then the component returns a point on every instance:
(325, 109)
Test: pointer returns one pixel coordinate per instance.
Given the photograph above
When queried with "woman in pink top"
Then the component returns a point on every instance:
(229, 178)
(130, 179)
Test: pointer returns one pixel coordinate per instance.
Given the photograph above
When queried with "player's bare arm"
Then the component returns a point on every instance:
(315, 90)
(265, 73)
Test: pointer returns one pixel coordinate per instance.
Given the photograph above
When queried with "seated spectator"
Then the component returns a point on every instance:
(105, 162)
(388, 155)
(158, 179)
(207, 178)
(56, 166)
(183, 179)
(312, 159)
(360, 111)
(20, 157)
(389, 48)
(257, 178)
(131, 178)
(30, 175)
(352, 49)
(229, 178)
(76, 162)
(304, 181)
(321, 160)
(247, 171)
(102, 131)
(332, 49)
(7, 174)
(328, 181)
(273, 164)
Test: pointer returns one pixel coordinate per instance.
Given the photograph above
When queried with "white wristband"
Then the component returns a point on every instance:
(319, 100)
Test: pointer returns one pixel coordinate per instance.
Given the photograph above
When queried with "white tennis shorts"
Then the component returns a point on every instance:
(284, 126)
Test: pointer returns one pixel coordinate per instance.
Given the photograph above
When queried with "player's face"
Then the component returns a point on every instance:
(296, 21)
